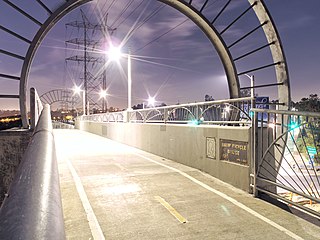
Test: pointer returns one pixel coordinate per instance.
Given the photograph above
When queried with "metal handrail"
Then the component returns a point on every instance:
(284, 112)
(232, 100)
(32, 208)
(283, 165)
(210, 112)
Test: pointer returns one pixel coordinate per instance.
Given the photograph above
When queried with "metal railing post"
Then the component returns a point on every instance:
(254, 153)
(35, 107)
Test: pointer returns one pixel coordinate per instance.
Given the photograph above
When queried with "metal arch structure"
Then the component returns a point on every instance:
(277, 52)
(271, 33)
(42, 32)
(216, 39)
(59, 95)
(194, 13)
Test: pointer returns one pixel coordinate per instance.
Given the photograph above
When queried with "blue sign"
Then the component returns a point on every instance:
(262, 102)
(312, 150)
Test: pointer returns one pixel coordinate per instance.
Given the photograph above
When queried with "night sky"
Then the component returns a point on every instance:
(172, 59)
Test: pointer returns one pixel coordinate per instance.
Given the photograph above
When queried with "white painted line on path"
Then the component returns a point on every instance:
(92, 219)
(225, 196)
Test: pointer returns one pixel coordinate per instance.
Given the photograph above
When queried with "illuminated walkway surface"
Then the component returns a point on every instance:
(112, 191)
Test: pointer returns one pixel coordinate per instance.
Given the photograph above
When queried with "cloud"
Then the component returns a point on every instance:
(299, 22)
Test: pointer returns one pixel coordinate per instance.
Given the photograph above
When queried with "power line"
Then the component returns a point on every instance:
(122, 12)
(110, 6)
(133, 11)
(170, 30)
(157, 38)
(147, 19)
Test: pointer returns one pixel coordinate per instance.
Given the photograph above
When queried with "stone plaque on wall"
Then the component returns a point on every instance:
(211, 148)
(234, 151)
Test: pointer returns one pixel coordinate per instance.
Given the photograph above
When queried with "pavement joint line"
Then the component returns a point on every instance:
(171, 209)
(92, 219)
(225, 196)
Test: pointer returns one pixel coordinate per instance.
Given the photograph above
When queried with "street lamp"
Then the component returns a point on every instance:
(77, 90)
(251, 77)
(103, 94)
(226, 112)
(151, 101)
(114, 54)
(129, 80)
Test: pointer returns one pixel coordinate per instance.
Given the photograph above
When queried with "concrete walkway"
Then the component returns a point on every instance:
(112, 191)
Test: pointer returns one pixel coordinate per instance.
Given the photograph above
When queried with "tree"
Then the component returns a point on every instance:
(309, 135)
(141, 106)
(310, 104)
(245, 93)
(208, 98)
(138, 106)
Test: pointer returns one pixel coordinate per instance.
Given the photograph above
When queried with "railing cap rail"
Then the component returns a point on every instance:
(287, 112)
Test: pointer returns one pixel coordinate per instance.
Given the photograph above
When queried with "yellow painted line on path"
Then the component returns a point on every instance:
(171, 209)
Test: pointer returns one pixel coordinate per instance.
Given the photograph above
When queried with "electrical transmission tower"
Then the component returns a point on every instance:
(94, 36)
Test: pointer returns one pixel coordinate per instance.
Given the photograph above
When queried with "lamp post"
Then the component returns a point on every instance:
(129, 80)
(114, 54)
(151, 101)
(103, 95)
(78, 90)
(251, 77)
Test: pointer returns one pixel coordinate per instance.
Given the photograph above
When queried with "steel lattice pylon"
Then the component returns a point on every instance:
(194, 12)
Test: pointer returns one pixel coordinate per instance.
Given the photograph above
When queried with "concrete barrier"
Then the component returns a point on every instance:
(221, 151)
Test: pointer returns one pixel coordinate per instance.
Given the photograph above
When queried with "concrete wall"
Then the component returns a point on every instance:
(186, 144)
(13, 145)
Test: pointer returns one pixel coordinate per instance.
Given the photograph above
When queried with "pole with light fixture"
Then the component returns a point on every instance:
(78, 90)
(103, 95)
(114, 54)
(251, 77)
(151, 101)
(129, 80)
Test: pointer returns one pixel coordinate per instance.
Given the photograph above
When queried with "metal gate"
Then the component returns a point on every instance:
(286, 162)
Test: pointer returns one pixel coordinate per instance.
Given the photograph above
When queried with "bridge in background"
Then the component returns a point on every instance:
(261, 151)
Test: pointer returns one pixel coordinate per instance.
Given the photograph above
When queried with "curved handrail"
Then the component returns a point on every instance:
(196, 111)
(33, 209)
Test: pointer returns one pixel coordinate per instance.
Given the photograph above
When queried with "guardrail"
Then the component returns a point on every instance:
(62, 125)
(32, 208)
(231, 112)
(287, 157)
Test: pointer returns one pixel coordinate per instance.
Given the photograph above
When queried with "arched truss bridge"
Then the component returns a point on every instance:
(60, 95)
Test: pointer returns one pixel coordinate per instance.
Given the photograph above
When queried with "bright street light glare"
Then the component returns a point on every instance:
(103, 93)
(77, 89)
(151, 101)
(114, 53)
